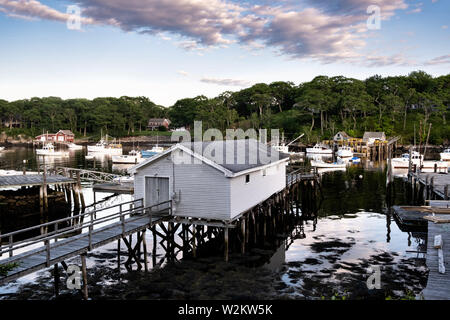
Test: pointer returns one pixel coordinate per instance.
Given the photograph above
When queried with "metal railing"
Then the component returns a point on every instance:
(90, 175)
(135, 211)
(298, 174)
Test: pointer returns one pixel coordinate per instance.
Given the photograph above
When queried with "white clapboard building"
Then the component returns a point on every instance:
(216, 180)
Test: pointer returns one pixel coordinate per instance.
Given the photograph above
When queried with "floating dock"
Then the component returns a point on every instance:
(438, 285)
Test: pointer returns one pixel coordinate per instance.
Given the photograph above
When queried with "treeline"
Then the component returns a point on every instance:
(396, 105)
(320, 108)
(116, 116)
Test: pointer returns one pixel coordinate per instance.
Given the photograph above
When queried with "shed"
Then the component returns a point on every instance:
(216, 180)
(371, 137)
(65, 136)
(340, 136)
(46, 137)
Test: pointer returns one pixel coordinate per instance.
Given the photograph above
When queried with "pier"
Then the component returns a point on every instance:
(66, 238)
(438, 285)
(434, 186)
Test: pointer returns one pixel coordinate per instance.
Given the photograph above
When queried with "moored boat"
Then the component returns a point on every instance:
(49, 150)
(153, 151)
(106, 148)
(322, 164)
(345, 152)
(403, 161)
(445, 155)
(73, 146)
(2, 148)
(133, 157)
(319, 149)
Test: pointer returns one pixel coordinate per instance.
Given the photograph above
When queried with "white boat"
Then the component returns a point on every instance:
(319, 149)
(284, 148)
(2, 148)
(153, 151)
(345, 152)
(417, 160)
(403, 162)
(445, 155)
(73, 146)
(49, 150)
(322, 164)
(133, 157)
(106, 148)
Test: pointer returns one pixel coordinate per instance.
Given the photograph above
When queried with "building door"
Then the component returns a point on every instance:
(156, 191)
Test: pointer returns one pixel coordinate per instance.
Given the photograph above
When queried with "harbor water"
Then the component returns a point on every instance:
(328, 256)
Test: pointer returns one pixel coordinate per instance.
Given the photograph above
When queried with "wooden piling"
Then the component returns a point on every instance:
(84, 273)
(56, 279)
(144, 245)
(118, 255)
(243, 235)
(226, 244)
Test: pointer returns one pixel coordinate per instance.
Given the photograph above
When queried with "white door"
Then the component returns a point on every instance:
(156, 191)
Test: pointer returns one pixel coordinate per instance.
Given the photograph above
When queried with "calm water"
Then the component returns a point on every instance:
(322, 257)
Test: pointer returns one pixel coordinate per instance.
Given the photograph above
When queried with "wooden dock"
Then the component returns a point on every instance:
(54, 250)
(409, 218)
(438, 286)
(123, 188)
(436, 184)
(14, 181)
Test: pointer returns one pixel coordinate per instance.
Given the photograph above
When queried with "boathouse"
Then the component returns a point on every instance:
(216, 180)
(371, 137)
(62, 136)
(341, 136)
(65, 136)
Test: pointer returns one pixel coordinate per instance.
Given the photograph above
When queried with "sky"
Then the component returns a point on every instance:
(172, 49)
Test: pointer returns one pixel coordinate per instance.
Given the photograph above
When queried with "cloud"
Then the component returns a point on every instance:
(226, 82)
(29, 9)
(439, 60)
(323, 30)
(444, 27)
(183, 73)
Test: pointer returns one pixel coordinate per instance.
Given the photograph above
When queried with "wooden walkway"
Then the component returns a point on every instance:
(438, 286)
(300, 175)
(438, 182)
(123, 188)
(32, 260)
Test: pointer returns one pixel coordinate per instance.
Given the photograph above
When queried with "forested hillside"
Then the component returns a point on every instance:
(318, 108)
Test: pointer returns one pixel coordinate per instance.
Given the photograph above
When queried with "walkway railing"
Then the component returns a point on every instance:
(301, 174)
(89, 175)
(137, 211)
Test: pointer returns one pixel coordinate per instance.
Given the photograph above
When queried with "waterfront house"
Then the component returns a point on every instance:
(341, 136)
(62, 136)
(65, 136)
(156, 123)
(46, 137)
(371, 137)
(216, 180)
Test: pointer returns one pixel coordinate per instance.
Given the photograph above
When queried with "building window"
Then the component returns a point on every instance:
(247, 178)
